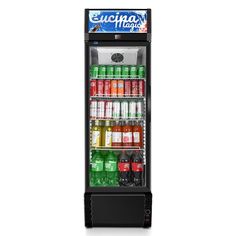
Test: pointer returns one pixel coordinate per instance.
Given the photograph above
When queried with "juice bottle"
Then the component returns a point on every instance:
(107, 134)
(96, 134)
(127, 137)
(111, 169)
(117, 135)
(137, 134)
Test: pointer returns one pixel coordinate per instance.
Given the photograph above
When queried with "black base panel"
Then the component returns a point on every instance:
(118, 209)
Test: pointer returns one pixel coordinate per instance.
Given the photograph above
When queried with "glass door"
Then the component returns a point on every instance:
(117, 116)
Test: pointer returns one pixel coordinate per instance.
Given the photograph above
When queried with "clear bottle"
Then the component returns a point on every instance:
(96, 134)
(107, 134)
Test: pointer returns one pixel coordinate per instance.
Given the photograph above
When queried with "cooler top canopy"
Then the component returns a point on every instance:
(117, 21)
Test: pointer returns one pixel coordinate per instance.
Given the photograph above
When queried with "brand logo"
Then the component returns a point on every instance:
(118, 21)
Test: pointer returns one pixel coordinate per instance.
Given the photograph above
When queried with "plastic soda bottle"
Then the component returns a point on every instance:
(97, 169)
(107, 134)
(111, 169)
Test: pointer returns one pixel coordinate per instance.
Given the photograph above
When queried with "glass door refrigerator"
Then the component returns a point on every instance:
(117, 118)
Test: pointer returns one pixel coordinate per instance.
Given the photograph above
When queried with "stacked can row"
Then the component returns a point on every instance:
(117, 88)
(117, 71)
(116, 109)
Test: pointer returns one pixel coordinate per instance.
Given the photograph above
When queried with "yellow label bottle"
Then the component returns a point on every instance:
(107, 134)
(96, 134)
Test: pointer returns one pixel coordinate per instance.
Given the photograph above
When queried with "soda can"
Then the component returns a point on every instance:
(110, 71)
(101, 109)
(108, 110)
(102, 71)
(116, 109)
(124, 110)
(94, 71)
(134, 88)
(125, 72)
(93, 109)
(107, 88)
(127, 88)
(141, 72)
(133, 72)
(120, 88)
(141, 88)
(117, 72)
(100, 88)
(132, 109)
(113, 88)
(139, 109)
(93, 87)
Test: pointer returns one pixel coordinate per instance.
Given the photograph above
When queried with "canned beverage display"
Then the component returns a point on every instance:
(93, 87)
(125, 72)
(134, 87)
(120, 88)
(141, 71)
(101, 109)
(132, 109)
(113, 88)
(116, 109)
(139, 109)
(124, 109)
(94, 71)
(100, 87)
(127, 92)
(93, 109)
(107, 87)
(108, 110)
(102, 71)
(117, 72)
(110, 71)
(133, 72)
(141, 88)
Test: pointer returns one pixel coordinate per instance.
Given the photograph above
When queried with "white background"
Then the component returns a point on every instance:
(193, 117)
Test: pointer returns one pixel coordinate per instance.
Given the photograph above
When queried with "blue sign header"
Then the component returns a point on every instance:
(110, 21)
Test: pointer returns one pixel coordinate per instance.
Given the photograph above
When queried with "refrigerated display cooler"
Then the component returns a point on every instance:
(117, 118)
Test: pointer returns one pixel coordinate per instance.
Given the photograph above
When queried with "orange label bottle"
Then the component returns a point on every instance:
(127, 137)
(137, 135)
(116, 135)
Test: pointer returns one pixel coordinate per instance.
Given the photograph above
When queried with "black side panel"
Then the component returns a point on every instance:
(118, 210)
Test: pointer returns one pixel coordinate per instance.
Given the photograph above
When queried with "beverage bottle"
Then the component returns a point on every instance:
(124, 169)
(116, 135)
(97, 169)
(137, 134)
(107, 134)
(137, 168)
(113, 88)
(120, 88)
(96, 134)
(111, 169)
(127, 136)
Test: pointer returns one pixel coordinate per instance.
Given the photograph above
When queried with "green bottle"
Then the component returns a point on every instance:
(111, 169)
(97, 174)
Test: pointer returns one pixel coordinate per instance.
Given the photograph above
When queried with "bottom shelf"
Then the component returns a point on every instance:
(110, 168)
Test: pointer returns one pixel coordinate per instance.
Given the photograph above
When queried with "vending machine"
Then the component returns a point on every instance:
(118, 118)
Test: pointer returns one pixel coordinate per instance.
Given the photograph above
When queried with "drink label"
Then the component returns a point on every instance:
(127, 137)
(110, 166)
(123, 167)
(97, 166)
(116, 137)
(108, 138)
(96, 138)
(137, 166)
(136, 136)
